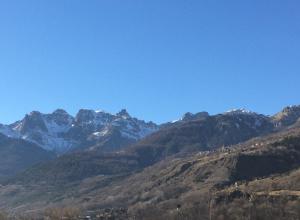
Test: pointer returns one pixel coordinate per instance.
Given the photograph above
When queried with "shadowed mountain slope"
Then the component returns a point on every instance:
(16, 155)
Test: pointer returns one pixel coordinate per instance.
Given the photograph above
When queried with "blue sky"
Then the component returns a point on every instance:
(157, 58)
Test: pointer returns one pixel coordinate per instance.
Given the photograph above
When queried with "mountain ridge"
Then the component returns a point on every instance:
(60, 132)
(198, 134)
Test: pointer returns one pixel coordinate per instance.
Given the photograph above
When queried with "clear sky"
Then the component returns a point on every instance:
(157, 58)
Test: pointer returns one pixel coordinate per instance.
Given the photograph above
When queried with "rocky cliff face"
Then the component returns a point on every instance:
(61, 132)
(288, 116)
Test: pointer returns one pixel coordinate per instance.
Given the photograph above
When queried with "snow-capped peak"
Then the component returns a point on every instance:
(100, 111)
(240, 111)
(59, 131)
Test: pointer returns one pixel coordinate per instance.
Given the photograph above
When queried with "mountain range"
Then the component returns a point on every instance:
(101, 160)
(61, 133)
